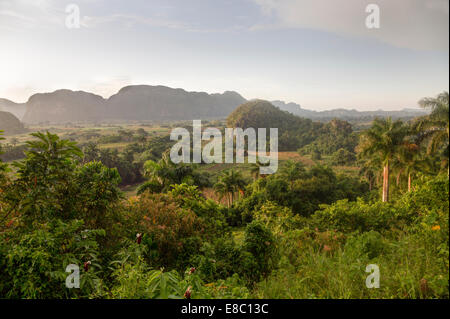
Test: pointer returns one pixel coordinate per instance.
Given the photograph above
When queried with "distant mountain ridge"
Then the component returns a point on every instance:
(64, 106)
(131, 103)
(344, 114)
(17, 109)
(159, 103)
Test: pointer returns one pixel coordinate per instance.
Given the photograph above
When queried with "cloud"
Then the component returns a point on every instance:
(413, 24)
(130, 20)
(29, 14)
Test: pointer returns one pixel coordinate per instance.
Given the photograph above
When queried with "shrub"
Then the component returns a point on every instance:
(370, 244)
(175, 231)
(260, 243)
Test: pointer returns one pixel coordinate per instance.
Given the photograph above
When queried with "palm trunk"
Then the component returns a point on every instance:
(409, 182)
(386, 183)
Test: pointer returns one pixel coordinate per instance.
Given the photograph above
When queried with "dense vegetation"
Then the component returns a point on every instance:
(295, 132)
(304, 232)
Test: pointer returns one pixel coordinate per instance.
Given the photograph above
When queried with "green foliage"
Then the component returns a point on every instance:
(407, 239)
(370, 243)
(434, 128)
(331, 137)
(175, 231)
(138, 281)
(260, 243)
(34, 264)
(230, 183)
(383, 139)
(166, 173)
(347, 216)
(294, 132)
(343, 157)
(129, 169)
(152, 187)
(300, 233)
(316, 155)
(301, 190)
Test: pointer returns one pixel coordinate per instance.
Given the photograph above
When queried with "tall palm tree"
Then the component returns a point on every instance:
(408, 161)
(383, 139)
(230, 182)
(223, 190)
(369, 168)
(434, 128)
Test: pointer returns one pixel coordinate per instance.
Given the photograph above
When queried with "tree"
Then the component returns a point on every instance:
(316, 155)
(408, 161)
(256, 168)
(369, 168)
(343, 157)
(292, 171)
(230, 182)
(434, 128)
(43, 185)
(383, 139)
(91, 152)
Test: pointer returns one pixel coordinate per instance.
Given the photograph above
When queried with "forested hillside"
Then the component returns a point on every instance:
(294, 132)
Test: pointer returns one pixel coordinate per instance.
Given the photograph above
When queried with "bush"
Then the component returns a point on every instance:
(34, 264)
(175, 231)
(260, 243)
(370, 244)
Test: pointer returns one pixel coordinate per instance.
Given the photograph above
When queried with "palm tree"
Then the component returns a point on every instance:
(223, 190)
(256, 169)
(292, 171)
(369, 168)
(408, 161)
(434, 128)
(229, 183)
(383, 139)
(167, 172)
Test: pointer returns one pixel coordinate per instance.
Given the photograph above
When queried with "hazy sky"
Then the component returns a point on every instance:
(318, 53)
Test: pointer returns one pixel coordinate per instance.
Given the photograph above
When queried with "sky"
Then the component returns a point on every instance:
(317, 53)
